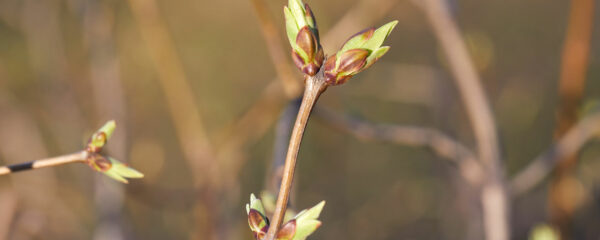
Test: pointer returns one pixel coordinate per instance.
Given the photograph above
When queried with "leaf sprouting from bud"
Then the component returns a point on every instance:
(358, 53)
(100, 137)
(112, 168)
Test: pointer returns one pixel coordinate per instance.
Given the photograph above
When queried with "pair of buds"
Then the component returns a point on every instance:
(107, 165)
(358, 53)
(298, 227)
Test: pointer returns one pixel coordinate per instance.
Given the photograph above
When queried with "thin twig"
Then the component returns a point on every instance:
(540, 167)
(443, 145)
(314, 87)
(494, 197)
(44, 163)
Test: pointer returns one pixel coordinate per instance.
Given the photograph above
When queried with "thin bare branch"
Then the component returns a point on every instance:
(494, 197)
(44, 163)
(543, 164)
(443, 145)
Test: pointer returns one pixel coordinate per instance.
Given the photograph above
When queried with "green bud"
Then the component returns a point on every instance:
(99, 138)
(358, 53)
(257, 220)
(112, 168)
(303, 35)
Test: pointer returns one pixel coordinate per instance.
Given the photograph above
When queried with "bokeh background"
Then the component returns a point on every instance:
(196, 99)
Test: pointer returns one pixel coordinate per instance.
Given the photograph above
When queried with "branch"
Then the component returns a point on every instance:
(441, 144)
(541, 166)
(78, 157)
(313, 89)
(494, 197)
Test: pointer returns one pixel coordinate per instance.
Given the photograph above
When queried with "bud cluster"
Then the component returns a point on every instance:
(107, 165)
(297, 228)
(358, 53)
(303, 35)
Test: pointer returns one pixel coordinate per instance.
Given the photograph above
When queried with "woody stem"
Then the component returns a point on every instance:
(315, 85)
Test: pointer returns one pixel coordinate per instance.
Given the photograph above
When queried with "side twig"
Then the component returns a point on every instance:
(443, 145)
(494, 194)
(44, 163)
(543, 164)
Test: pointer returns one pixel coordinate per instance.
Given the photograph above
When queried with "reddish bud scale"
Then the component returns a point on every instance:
(308, 43)
(99, 163)
(350, 63)
(288, 230)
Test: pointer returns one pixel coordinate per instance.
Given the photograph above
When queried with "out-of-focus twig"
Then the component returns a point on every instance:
(280, 60)
(184, 111)
(440, 143)
(569, 144)
(575, 57)
(494, 195)
(8, 208)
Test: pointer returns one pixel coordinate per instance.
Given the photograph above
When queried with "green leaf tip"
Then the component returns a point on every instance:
(358, 53)
(113, 168)
(100, 137)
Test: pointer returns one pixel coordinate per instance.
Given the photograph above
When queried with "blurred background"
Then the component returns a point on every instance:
(196, 98)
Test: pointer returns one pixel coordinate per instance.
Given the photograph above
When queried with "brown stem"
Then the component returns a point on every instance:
(575, 61)
(44, 163)
(313, 89)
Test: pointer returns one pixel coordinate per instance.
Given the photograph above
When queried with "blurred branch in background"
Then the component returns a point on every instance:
(575, 59)
(283, 132)
(185, 113)
(444, 146)
(276, 51)
(8, 208)
(496, 206)
(109, 101)
(572, 141)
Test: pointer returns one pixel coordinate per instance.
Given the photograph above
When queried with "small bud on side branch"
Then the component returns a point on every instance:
(90, 155)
